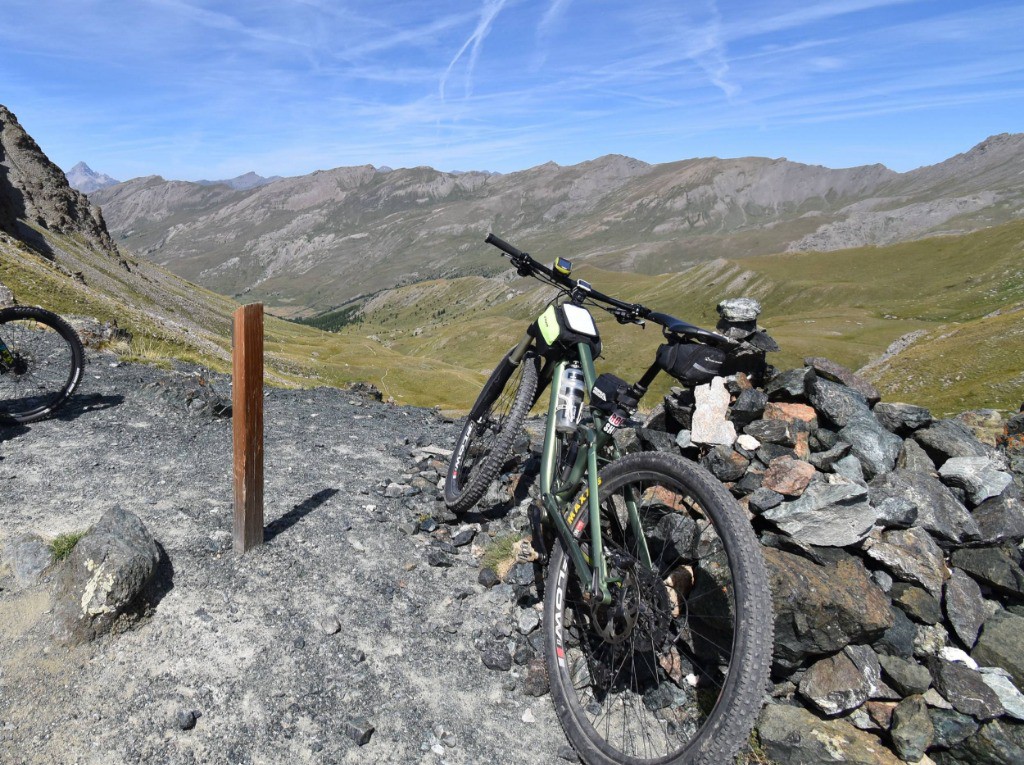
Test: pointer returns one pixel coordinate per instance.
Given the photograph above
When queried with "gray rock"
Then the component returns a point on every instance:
(1001, 644)
(30, 557)
(764, 499)
(906, 675)
(951, 727)
(104, 574)
(998, 567)
(998, 742)
(938, 511)
(739, 309)
(944, 439)
(725, 463)
(837, 683)
(830, 370)
(749, 406)
(497, 657)
(359, 730)
(768, 452)
(823, 439)
(840, 404)
(789, 384)
(899, 638)
(683, 440)
(656, 440)
(1001, 519)
(1009, 696)
(826, 459)
(902, 419)
(917, 603)
(186, 719)
(913, 457)
(794, 736)
(965, 607)
(850, 468)
(912, 730)
(910, 554)
(964, 688)
(828, 514)
(771, 432)
(875, 447)
(821, 609)
(896, 512)
(977, 476)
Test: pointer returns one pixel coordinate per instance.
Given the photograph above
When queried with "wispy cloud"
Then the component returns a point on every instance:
(488, 13)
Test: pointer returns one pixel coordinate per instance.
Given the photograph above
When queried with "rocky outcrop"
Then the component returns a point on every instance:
(34, 191)
(104, 574)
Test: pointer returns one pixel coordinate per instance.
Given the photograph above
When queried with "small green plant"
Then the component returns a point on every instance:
(501, 554)
(65, 543)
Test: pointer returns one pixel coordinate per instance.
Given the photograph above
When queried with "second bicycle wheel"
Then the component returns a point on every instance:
(674, 669)
(491, 428)
(41, 362)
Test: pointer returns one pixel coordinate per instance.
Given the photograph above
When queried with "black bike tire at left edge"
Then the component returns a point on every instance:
(75, 371)
(461, 499)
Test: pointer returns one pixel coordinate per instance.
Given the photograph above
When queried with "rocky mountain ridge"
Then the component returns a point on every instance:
(303, 242)
(34, 190)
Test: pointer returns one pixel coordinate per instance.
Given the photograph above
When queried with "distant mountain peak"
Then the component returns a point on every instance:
(85, 179)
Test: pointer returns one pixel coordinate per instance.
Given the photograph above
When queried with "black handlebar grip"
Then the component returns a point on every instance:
(501, 244)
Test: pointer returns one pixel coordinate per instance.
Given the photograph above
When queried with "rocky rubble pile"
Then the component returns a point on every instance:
(893, 541)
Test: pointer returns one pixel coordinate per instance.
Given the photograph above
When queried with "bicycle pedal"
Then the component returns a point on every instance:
(525, 552)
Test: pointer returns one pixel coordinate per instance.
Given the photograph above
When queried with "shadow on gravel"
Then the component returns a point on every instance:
(161, 584)
(9, 430)
(296, 514)
(79, 405)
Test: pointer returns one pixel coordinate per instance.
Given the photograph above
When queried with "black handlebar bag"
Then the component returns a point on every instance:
(691, 363)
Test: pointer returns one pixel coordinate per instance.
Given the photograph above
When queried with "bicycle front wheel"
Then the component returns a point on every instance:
(41, 363)
(674, 669)
(491, 428)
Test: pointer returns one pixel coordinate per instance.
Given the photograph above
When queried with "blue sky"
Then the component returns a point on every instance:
(203, 89)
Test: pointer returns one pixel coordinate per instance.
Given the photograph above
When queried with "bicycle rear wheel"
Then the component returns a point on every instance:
(41, 363)
(674, 669)
(491, 428)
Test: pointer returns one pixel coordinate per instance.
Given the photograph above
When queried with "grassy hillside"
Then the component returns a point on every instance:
(847, 305)
(433, 343)
(172, 319)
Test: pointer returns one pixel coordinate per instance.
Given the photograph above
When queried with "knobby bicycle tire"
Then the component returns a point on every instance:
(675, 670)
(490, 430)
(41, 366)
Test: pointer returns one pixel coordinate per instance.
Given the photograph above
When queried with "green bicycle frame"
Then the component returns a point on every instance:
(568, 519)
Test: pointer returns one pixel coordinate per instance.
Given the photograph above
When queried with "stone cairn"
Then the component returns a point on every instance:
(893, 541)
(894, 546)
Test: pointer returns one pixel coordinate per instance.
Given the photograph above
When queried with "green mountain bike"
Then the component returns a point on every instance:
(657, 613)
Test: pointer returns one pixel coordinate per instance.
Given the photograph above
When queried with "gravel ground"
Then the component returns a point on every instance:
(250, 643)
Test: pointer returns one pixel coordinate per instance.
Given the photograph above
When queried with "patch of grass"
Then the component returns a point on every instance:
(753, 753)
(501, 554)
(65, 543)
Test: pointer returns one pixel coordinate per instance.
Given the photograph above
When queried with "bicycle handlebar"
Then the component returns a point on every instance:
(624, 312)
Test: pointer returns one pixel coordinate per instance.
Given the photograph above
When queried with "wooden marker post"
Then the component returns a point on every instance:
(247, 423)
